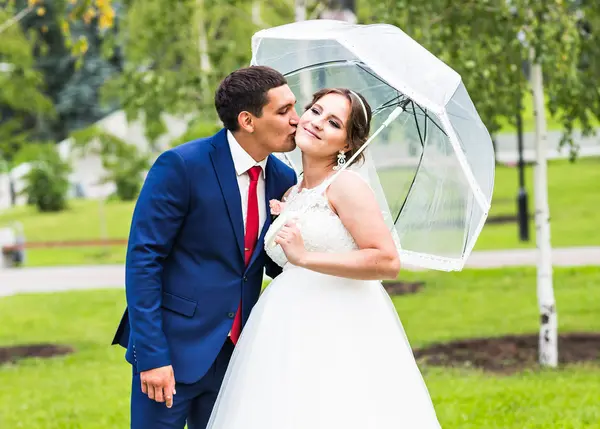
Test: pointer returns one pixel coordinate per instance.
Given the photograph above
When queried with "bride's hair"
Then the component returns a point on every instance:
(359, 121)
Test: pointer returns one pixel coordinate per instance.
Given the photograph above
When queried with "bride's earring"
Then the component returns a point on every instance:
(341, 160)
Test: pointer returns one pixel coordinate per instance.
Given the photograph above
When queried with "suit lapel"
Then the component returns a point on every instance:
(226, 175)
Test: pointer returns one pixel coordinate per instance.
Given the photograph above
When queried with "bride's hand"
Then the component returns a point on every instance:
(290, 240)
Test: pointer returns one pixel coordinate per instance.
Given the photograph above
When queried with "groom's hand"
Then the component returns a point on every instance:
(159, 384)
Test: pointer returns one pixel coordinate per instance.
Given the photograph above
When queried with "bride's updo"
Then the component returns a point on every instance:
(359, 122)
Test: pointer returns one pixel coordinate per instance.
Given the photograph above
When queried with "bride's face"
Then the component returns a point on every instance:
(322, 130)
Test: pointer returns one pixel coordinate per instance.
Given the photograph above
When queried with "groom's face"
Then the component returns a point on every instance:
(276, 127)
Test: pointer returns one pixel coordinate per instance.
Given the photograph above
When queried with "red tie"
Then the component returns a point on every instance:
(249, 240)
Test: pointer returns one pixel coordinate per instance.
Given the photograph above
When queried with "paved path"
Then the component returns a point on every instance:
(506, 146)
(50, 279)
(563, 257)
(103, 276)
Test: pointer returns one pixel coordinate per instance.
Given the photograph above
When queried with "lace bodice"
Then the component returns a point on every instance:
(322, 230)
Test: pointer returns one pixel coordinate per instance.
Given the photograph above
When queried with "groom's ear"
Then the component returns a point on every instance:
(246, 121)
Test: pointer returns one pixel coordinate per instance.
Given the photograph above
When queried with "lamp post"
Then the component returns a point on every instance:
(342, 10)
(522, 197)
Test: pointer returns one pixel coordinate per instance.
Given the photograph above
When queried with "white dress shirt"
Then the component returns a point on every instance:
(242, 162)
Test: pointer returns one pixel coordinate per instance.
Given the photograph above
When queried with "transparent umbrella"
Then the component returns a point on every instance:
(429, 157)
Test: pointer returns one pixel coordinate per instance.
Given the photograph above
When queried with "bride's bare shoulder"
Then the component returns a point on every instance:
(349, 185)
(348, 180)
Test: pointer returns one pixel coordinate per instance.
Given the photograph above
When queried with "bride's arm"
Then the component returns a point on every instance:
(355, 204)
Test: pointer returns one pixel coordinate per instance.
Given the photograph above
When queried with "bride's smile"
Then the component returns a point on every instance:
(322, 130)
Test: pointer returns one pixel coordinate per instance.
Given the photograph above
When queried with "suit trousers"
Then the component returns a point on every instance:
(192, 404)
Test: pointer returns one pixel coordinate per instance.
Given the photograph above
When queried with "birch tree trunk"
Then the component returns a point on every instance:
(256, 13)
(205, 66)
(548, 341)
(300, 10)
(306, 88)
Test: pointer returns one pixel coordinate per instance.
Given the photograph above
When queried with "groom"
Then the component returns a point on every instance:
(195, 256)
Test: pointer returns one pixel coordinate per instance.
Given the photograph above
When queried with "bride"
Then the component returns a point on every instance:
(324, 347)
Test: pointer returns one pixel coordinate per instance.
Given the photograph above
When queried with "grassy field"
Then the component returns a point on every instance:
(90, 389)
(81, 221)
(574, 190)
(574, 198)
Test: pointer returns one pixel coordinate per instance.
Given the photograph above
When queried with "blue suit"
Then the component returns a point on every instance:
(185, 276)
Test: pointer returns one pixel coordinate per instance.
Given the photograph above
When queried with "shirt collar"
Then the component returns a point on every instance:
(242, 161)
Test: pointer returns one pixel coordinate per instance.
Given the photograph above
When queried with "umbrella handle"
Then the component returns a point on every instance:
(276, 226)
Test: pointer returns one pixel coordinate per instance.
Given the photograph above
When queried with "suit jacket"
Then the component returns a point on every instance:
(185, 270)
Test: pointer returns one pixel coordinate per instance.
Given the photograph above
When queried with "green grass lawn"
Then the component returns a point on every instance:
(90, 389)
(81, 221)
(574, 198)
(574, 190)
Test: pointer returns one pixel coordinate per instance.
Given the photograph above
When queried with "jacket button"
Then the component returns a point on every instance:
(231, 315)
(245, 278)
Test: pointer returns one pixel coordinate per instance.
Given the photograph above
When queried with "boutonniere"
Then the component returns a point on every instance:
(276, 208)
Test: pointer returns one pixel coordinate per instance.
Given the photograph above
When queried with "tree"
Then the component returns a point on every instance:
(452, 31)
(576, 100)
(92, 13)
(23, 104)
(483, 41)
(544, 38)
(75, 57)
(480, 40)
(39, 32)
(177, 52)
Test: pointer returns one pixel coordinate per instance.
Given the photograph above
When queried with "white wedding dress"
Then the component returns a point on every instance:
(322, 352)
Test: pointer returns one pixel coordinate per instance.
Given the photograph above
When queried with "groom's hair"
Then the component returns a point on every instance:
(245, 90)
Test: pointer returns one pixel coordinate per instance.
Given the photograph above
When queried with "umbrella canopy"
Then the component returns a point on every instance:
(430, 159)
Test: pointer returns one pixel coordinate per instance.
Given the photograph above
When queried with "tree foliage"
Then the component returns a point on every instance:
(177, 52)
(22, 98)
(51, 69)
(488, 43)
(124, 162)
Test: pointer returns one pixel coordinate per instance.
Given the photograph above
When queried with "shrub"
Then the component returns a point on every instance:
(47, 182)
